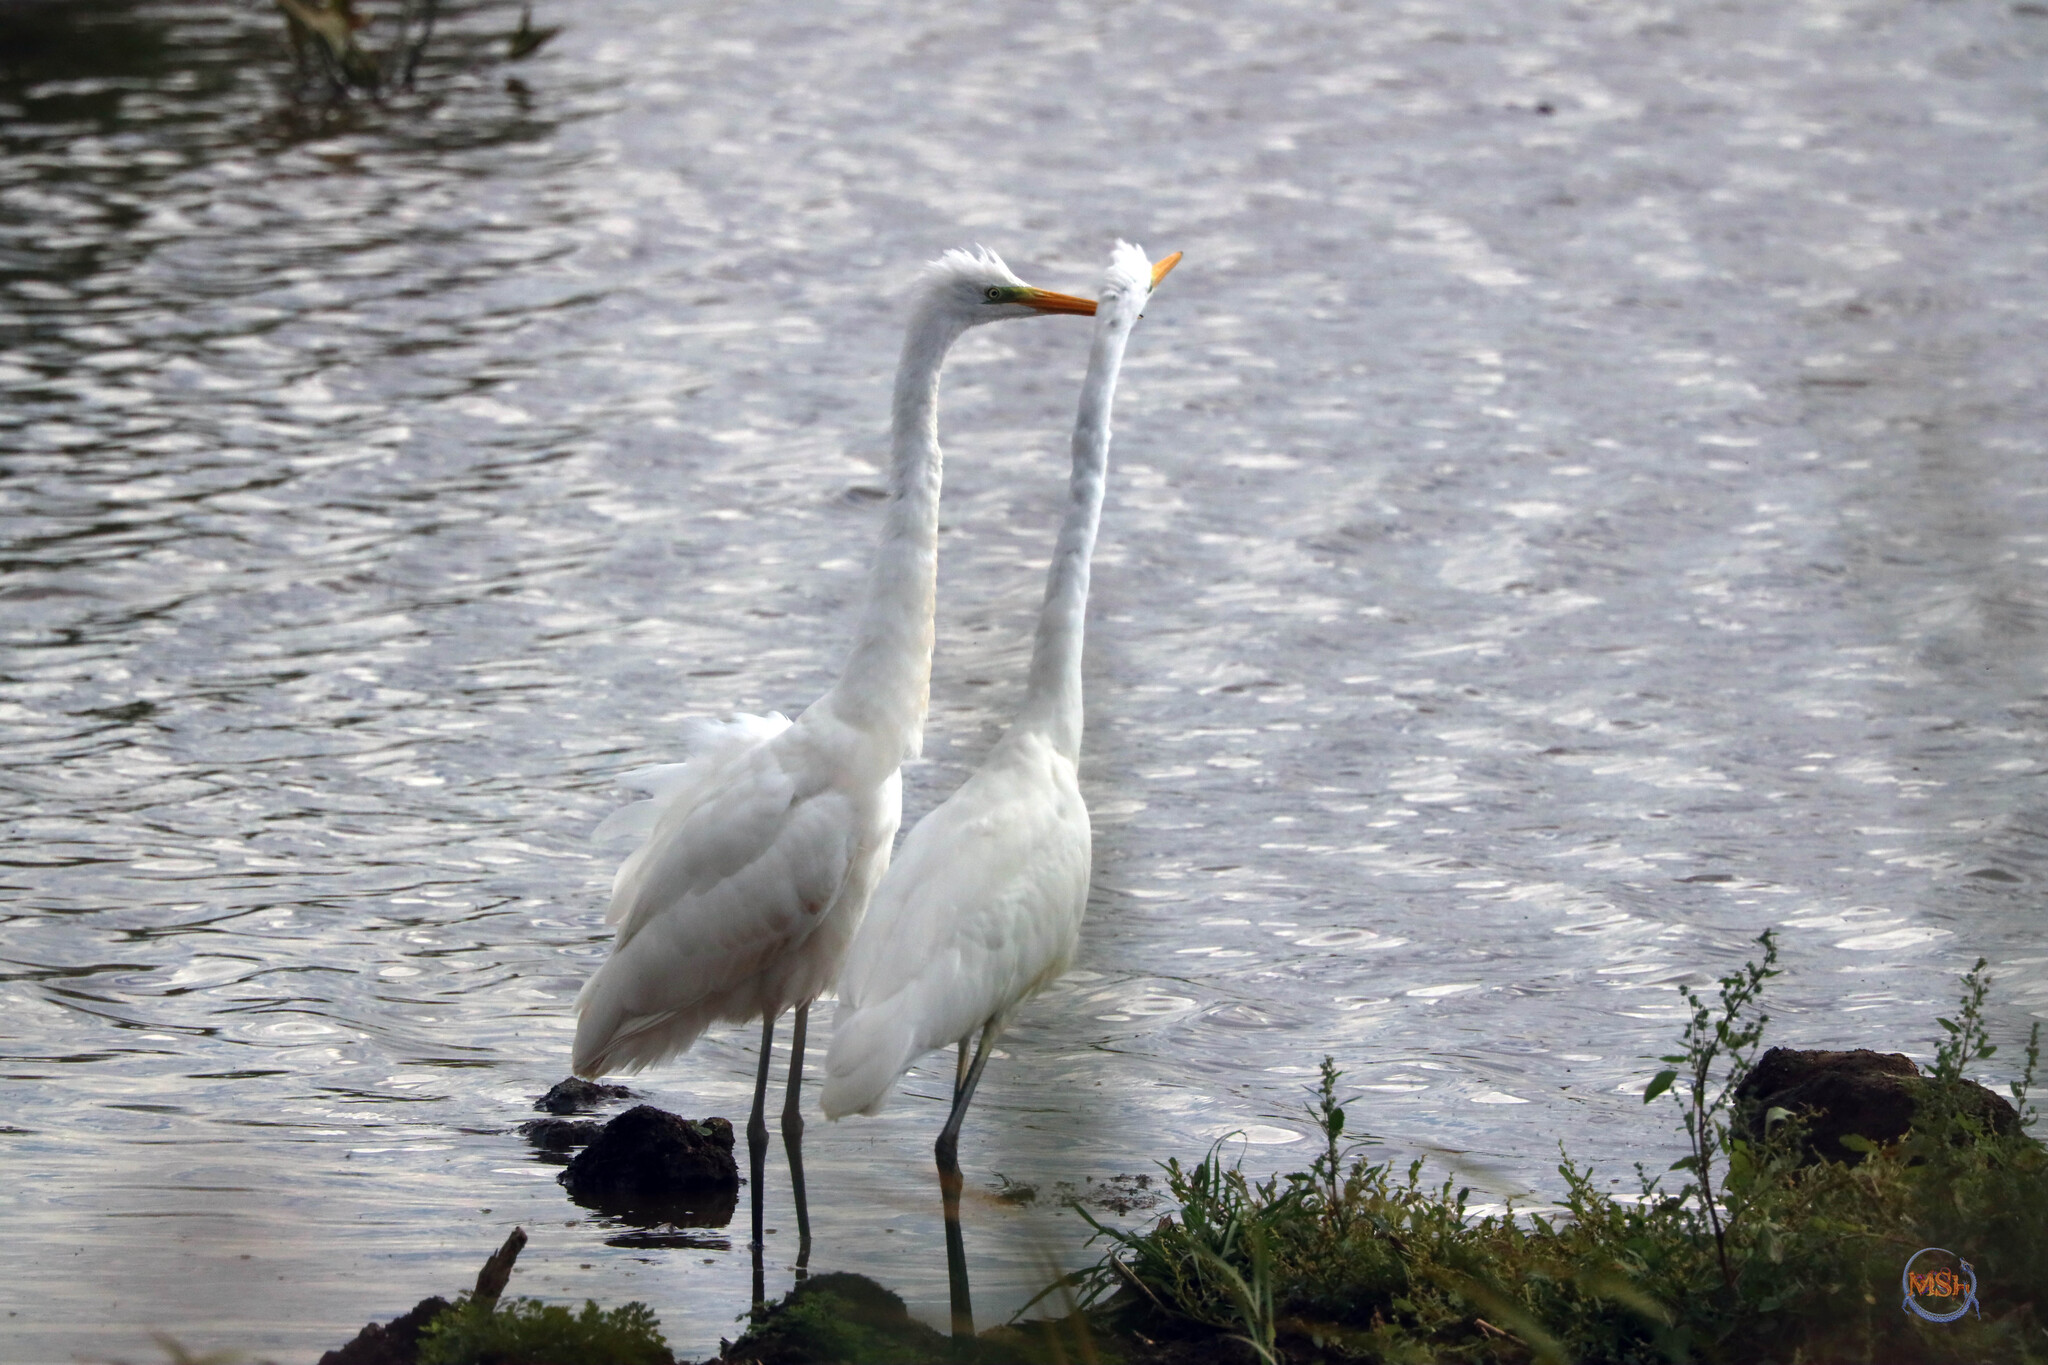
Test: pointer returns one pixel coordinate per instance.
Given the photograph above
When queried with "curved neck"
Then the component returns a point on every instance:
(1052, 697)
(886, 684)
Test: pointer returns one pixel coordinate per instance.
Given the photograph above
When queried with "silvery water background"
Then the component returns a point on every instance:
(1581, 502)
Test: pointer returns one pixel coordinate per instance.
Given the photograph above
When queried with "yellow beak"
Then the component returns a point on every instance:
(1045, 301)
(1161, 268)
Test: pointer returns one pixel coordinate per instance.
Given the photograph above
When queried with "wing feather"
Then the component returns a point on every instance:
(980, 908)
(736, 874)
(713, 745)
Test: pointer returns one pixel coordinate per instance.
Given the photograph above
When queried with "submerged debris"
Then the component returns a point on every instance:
(578, 1096)
(1119, 1194)
(1122, 1194)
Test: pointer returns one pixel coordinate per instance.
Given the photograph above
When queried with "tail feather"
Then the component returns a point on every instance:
(870, 1049)
(610, 1041)
(622, 1045)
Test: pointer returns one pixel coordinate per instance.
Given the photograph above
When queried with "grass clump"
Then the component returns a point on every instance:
(1759, 1255)
(529, 1332)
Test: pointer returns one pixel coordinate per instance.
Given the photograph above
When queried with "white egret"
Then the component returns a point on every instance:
(982, 907)
(760, 851)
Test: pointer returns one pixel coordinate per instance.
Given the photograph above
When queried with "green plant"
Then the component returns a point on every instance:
(1250, 1296)
(1351, 1260)
(1218, 1261)
(1705, 1041)
(1212, 1261)
(2021, 1087)
(534, 1333)
(1951, 1110)
(1324, 1189)
(1968, 1039)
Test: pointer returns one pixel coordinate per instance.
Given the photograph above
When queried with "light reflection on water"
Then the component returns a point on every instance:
(1543, 551)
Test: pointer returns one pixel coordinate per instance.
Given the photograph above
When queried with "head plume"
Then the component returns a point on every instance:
(968, 288)
(978, 268)
(1130, 272)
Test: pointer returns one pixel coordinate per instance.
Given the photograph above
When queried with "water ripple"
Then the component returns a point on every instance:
(1544, 549)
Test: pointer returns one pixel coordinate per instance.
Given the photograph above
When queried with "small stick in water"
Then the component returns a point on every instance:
(490, 1281)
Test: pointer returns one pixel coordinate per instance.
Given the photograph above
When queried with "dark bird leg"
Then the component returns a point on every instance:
(793, 1137)
(965, 1078)
(757, 1144)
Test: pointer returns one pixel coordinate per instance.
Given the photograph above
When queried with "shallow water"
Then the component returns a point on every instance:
(1579, 503)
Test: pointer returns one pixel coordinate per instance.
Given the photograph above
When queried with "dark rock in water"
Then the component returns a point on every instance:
(1865, 1093)
(649, 1160)
(578, 1096)
(1874, 1095)
(560, 1135)
(396, 1343)
(647, 1151)
(839, 1317)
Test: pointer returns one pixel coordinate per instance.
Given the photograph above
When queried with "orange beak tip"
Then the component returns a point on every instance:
(1164, 267)
(1045, 301)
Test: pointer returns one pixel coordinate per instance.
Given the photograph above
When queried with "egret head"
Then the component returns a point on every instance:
(1132, 276)
(974, 287)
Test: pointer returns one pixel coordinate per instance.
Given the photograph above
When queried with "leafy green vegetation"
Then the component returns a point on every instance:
(528, 1332)
(1758, 1256)
(1706, 1041)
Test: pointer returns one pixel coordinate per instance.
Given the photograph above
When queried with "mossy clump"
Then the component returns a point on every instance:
(848, 1319)
(1784, 1261)
(836, 1318)
(529, 1332)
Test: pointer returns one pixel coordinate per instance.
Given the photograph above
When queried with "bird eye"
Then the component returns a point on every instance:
(995, 294)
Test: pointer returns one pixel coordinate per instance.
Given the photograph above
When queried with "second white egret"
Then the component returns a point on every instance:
(982, 906)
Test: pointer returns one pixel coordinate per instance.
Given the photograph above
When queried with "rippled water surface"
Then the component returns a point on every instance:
(1581, 502)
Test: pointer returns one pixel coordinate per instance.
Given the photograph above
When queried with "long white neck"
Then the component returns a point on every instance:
(1052, 697)
(886, 684)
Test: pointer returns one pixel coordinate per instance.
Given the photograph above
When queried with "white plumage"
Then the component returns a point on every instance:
(981, 910)
(760, 853)
(982, 906)
(761, 849)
